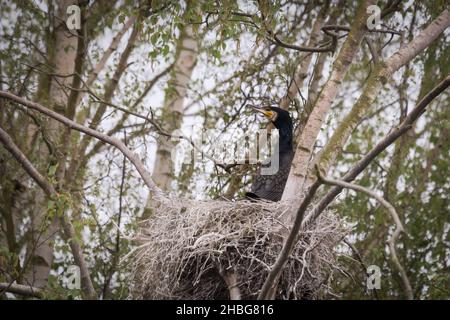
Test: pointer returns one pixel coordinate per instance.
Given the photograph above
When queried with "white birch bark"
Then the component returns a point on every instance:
(186, 59)
(298, 174)
(64, 63)
(375, 83)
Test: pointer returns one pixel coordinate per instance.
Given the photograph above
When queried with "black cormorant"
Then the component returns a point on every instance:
(271, 187)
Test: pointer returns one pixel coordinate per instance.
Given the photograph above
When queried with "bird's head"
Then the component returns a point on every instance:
(279, 117)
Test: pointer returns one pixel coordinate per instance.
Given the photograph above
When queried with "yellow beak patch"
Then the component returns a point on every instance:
(269, 114)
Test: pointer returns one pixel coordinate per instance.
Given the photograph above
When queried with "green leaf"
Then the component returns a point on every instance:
(165, 50)
(216, 53)
(52, 170)
(154, 38)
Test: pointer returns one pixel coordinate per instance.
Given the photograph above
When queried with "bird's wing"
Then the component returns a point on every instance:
(270, 187)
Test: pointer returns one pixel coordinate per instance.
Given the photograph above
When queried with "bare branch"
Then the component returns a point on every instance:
(372, 50)
(329, 48)
(383, 72)
(21, 289)
(269, 287)
(272, 279)
(392, 239)
(144, 173)
(79, 163)
(330, 30)
(112, 47)
(380, 147)
(298, 176)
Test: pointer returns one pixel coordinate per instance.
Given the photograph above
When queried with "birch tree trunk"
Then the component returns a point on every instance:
(65, 49)
(374, 84)
(185, 61)
(300, 164)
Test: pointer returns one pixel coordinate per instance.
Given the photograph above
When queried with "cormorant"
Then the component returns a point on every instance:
(271, 187)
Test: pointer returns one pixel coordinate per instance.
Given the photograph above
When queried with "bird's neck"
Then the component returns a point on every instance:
(285, 139)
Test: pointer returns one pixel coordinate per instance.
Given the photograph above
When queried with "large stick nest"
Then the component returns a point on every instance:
(187, 248)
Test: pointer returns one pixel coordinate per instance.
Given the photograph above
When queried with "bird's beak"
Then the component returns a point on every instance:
(269, 114)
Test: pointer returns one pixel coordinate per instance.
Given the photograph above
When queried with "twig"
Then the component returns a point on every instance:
(116, 252)
(328, 30)
(372, 50)
(276, 40)
(157, 127)
(112, 47)
(358, 256)
(272, 279)
(345, 28)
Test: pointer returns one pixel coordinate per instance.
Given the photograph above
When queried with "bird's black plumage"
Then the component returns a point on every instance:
(271, 187)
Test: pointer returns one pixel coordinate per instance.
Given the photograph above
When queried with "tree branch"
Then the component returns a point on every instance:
(146, 176)
(329, 48)
(81, 160)
(380, 147)
(21, 289)
(271, 282)
(112, 47)
(329, 30)
(393, 238)
(372, 50)
(50, 191)
(298, 180)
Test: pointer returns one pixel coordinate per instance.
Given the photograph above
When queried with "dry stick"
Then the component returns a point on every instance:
(145, 175)
(21, 289)
(77, 252)
(393, 238)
